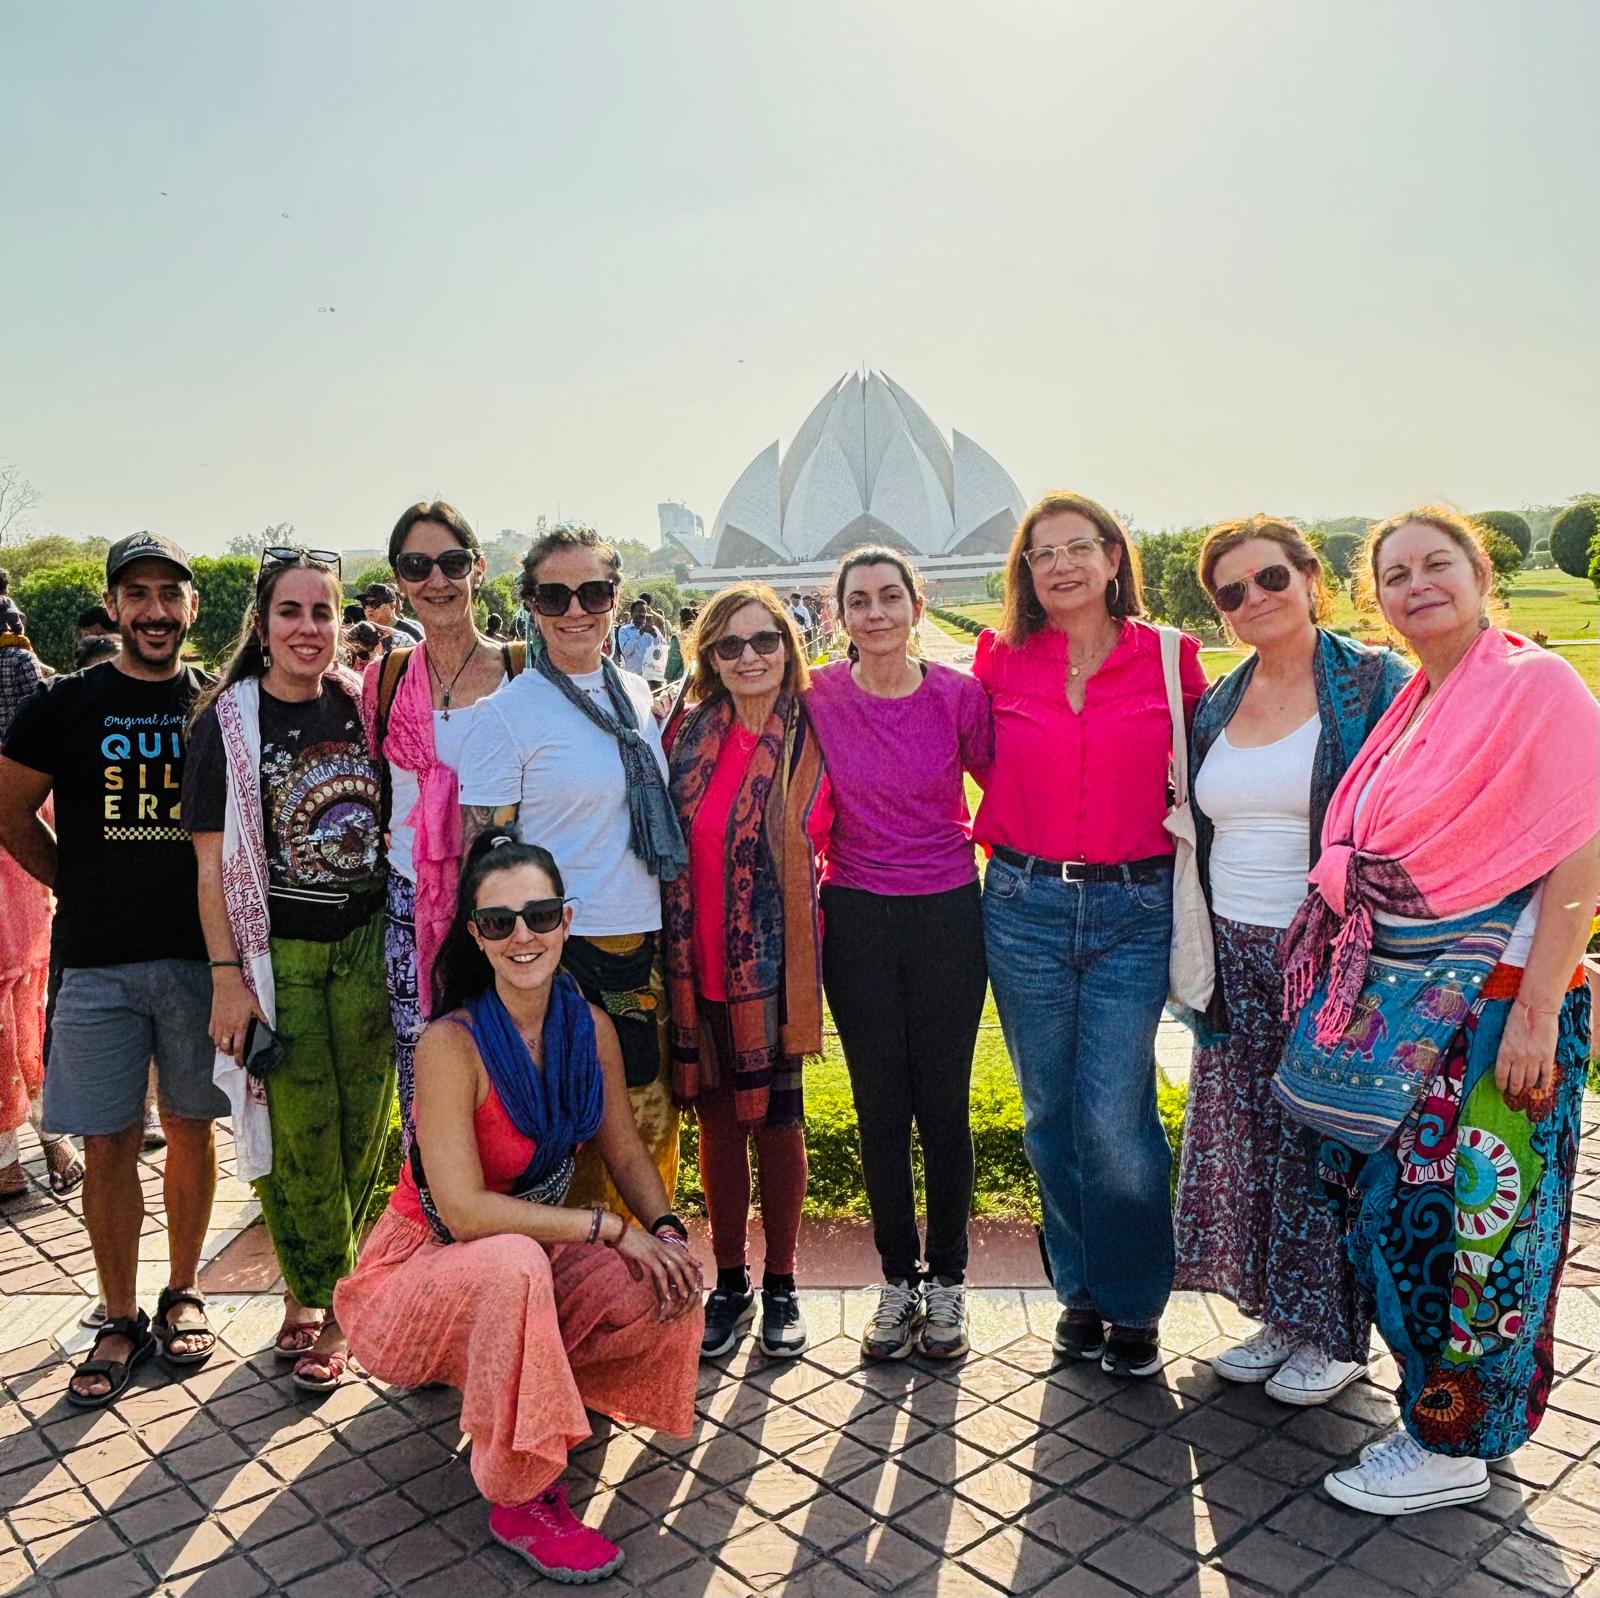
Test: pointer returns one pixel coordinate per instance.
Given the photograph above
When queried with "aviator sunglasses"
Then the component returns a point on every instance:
(594, 597)
(416, 567)
(1270, 580)
(730, 646)
(498, 921)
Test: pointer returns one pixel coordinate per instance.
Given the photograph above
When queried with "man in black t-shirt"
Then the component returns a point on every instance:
(108, 742)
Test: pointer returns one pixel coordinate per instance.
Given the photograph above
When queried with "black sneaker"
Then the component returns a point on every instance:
(892, 1330)
(726, 1314)
(1132, 1351)
(1079, 1334)
(783, 1330)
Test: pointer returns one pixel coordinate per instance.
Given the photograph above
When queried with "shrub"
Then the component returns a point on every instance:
(500, 596)
(226, 584)
(1509, 525)
(1505, 558)
(52, 599)
(1571, 536)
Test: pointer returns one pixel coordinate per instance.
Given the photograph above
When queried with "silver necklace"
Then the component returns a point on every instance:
(434, 671)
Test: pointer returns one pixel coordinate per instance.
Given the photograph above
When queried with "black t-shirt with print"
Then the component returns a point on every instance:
(113, 748)
(319, 806)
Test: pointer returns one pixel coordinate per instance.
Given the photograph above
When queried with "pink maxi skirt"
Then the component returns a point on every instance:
(530, 1335)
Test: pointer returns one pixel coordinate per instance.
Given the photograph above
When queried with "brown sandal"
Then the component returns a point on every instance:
(305, 1334)
(337, 1365)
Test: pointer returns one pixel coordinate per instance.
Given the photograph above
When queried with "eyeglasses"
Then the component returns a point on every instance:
(1076, 552)
(731, 646)
(291, 554)
(416, 567)
(373, 601)
(594, 597)
(1270, 580)
(498, 921)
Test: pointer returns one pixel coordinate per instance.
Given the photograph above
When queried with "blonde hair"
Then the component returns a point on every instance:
(1022, 614)
(704, 682)
(1227, 536)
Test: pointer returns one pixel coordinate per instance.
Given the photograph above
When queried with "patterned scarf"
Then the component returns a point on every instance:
(773, 936)
(652, 827)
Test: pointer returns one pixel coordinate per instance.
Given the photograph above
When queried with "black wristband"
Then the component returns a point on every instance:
(672, 1223)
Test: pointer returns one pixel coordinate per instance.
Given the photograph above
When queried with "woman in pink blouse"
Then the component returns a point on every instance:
(1077, 911)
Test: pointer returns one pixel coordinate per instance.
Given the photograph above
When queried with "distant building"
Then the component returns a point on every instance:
(867, 466)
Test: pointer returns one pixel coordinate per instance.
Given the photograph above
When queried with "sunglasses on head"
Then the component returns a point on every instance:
(498, 921)
(416, 567)
(594, 597)
(291, 555)
(731, 646)
(1270, 580)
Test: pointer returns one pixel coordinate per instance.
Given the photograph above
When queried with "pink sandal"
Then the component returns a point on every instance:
(546, 1533)
(337, 1365)
(303, 1337)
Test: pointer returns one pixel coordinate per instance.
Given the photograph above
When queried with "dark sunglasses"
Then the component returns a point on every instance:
(416, 567)
(730, 646)
(594, 597)
(290, 555)
(499, 921)
(1270, 580)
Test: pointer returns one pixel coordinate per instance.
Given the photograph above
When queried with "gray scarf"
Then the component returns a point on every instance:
(653, 829)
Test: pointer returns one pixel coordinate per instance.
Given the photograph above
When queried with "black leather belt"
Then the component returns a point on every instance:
(1150, 869)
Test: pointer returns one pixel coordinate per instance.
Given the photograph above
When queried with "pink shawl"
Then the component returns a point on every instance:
(435, 819)
(1499, 783)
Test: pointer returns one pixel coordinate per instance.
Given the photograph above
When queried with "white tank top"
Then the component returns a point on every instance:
(1259, 802)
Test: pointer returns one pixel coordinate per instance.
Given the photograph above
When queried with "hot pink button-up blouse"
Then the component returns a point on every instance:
(1085, 785)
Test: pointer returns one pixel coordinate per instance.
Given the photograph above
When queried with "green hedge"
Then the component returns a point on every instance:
(1004, 1185)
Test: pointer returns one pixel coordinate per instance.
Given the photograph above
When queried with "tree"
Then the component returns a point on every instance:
(52, 549)
(1505, 558)
(251, 544)
(500, 596)
(1509, 525)
(51, 599)
(1338, 550)
(1594, 562)
(377, 572)
(17, 497)
(226, 584)
(994, 585)
(1572, 534)
(1184, 601)
(1154, 550)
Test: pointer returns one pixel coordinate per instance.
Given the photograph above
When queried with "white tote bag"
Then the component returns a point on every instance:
(1193, 970)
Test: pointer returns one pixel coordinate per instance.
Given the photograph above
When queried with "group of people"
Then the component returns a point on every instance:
(559, 911)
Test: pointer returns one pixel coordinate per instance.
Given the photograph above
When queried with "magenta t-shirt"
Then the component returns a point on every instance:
(901, 824)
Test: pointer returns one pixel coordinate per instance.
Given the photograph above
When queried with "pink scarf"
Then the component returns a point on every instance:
(1499, 783)
(435, 819)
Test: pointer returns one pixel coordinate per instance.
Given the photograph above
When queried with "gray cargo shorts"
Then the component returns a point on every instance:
(110, 1022)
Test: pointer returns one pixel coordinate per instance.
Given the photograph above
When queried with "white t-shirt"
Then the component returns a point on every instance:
(1521, 944)
(449, 739)
(640, 651)
(529, 747)
(1259, 802)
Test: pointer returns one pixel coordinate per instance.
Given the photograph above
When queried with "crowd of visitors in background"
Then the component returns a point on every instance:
(559, 897)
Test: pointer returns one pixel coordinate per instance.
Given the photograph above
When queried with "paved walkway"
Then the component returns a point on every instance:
(1005, 1473)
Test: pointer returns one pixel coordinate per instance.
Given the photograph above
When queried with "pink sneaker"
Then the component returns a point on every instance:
(553, 1540)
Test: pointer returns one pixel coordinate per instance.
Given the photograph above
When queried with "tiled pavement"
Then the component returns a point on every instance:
(1007, 1473)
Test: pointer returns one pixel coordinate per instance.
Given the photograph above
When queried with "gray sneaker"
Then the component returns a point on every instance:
(944, 1324)
(891, 1332)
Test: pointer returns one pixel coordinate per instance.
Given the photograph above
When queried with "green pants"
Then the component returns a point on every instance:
(329, 1102)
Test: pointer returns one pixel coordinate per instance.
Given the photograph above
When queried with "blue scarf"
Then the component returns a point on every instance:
(559, 1106)
(1355, 685)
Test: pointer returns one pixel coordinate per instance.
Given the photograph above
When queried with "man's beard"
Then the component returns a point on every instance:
(170, 644)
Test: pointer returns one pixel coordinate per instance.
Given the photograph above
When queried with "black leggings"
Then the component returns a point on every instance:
(905, 978)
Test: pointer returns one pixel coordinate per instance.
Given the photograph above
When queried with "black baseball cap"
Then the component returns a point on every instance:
(381, 593)
(144, 546)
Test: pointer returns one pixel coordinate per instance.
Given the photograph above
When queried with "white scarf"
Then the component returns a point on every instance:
(244, 893)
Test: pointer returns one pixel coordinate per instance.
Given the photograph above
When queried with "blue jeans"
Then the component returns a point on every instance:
(1079, 972)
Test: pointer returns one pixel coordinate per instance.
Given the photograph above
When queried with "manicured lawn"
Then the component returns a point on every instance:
(1548, 601)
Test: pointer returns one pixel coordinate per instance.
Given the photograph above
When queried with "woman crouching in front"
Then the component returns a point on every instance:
(476, 1276)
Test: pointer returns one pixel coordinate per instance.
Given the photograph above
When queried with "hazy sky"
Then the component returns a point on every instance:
(1195, 260)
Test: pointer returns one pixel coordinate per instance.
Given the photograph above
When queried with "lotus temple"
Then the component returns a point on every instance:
(867, 466)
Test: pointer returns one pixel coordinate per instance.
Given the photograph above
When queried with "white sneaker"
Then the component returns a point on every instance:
(1255, 1359)
(1309, 1377)
(1400, 1477)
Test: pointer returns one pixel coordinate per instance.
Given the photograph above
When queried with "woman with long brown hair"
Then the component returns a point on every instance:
(282, 799)
(1077, 910)
(743, 942)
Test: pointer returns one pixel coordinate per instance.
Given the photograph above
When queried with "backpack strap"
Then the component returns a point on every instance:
(514, 657)
(389, 675)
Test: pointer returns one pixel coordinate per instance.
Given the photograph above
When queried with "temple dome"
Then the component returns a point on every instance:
(867, 466)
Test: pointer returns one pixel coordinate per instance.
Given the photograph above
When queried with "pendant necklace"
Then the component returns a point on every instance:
(445, 706)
